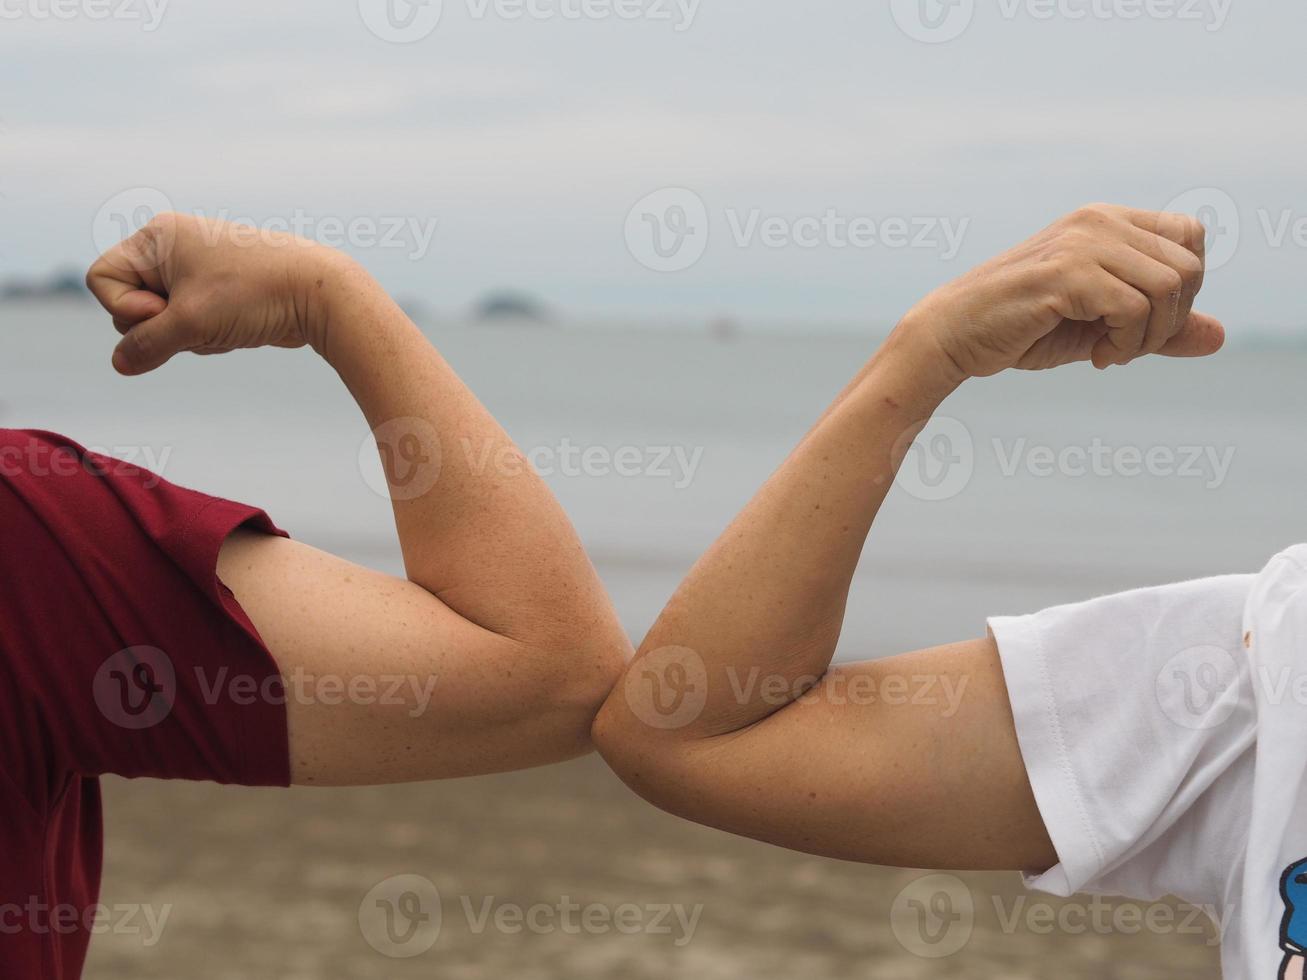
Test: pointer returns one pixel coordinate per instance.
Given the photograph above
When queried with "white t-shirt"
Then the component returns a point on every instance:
(1165, 735)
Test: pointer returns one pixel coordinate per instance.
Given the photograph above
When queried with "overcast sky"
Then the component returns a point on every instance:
(817, 162)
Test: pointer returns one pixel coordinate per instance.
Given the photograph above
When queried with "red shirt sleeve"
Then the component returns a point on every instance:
(120, 651)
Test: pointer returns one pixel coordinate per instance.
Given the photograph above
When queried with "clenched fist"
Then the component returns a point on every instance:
(185, 283)
(1106, 283)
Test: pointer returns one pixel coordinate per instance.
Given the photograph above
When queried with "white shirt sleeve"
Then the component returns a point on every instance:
(1137, 727)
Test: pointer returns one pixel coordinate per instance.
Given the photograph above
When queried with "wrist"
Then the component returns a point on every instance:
(914, 355)
(331, 288)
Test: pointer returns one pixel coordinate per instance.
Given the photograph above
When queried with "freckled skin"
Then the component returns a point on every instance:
(497, 650)
(901, 780)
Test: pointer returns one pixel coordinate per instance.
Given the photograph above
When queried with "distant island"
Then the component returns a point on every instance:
(64, 284)
(510, 307)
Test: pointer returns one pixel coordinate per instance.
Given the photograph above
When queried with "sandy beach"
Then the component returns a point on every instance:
(268, 885)
(245, 884)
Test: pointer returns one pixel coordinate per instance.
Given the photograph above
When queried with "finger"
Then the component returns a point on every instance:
(150, 344)
(1163, 286)
(1200, 336)
(1118, 307)
(125, 276)
(136, 307)
(1183, 261)
(1182, 229)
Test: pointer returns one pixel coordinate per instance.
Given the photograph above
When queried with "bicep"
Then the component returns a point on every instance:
(384, 683)
(911, 761)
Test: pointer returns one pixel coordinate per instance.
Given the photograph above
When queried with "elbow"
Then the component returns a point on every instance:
(574, 696)
(649, 759)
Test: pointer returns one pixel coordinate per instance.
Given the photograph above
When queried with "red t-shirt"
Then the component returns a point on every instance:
(119, 653)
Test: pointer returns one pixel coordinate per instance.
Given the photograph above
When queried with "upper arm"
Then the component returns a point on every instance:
(910, 761)
(385, 683)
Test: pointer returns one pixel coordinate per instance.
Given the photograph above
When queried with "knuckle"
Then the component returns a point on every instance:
(1190, 268)
(1137, 306)
(1097, 209)
(1088, 214)
(164, 221)
(1169, 282)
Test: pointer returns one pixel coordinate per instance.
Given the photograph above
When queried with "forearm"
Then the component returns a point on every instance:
(478, 527)
(768, 598)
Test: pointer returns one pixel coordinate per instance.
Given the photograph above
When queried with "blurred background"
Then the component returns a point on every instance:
(657, 237)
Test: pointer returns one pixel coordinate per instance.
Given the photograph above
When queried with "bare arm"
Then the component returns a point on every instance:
(497, 651)
(768, 741)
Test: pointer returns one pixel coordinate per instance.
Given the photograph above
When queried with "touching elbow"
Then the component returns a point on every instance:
(575, 694)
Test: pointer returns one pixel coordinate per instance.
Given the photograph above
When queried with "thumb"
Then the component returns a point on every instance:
(1200, 336)
(149, 344)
